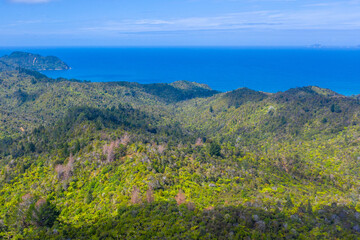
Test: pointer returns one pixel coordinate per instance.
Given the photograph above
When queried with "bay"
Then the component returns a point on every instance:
(223, 69)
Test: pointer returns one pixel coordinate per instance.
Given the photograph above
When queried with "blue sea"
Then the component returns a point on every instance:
(224, 69)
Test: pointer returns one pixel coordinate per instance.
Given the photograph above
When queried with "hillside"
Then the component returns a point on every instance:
(34, 61)
(38, 99)
(82, 160)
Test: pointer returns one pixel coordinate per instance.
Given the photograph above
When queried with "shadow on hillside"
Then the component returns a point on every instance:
(166, 220)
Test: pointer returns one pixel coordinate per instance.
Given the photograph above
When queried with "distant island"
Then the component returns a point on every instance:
(317, 45)
(34, 61)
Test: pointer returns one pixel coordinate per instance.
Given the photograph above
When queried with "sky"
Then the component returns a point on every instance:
(179, 22)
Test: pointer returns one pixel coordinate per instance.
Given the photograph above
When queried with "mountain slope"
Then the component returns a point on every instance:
(34, 61)
(299, 113)
(41, 100)
(82, 160)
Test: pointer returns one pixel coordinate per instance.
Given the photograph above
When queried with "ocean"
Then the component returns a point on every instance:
(223, 69)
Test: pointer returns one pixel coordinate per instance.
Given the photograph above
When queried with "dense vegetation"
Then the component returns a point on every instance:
(34, 61)
(82, 160)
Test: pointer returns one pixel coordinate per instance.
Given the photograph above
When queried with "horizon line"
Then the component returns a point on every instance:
(312, 46)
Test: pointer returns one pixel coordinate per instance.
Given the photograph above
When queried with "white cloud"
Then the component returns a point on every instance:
(301, 19)
(333, 4)
(30, 1)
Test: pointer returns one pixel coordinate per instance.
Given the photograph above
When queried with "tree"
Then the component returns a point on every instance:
(214, 149)
(180, 197)
(77, 146)
(150, 195)
(335, 108)
(289, 203)
(30, 147)
(89, 197)
(109, 151)
(309, 207)
(135, 196)
(43, 213)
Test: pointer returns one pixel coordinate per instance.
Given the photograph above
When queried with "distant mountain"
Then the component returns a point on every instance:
(5, 67)
(243, 95)
(42, 99)
(179, 91)
(34, 61)
(186, 85)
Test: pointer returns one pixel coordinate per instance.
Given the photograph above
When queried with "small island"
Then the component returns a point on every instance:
(34, 61)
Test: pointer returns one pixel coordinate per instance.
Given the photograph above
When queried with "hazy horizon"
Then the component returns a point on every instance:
(314, 46)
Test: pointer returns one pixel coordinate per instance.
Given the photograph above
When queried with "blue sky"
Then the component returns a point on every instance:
(179, 22)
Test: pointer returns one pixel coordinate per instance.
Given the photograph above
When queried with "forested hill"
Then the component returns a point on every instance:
(40, 100)
(121, 160)
(34, 61)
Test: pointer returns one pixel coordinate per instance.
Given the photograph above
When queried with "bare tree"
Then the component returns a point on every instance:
(109, 150)
(59, 169)
(180, 197)
(110, 153)
(40, 203)
(23, 207)
(199, 142)
(136, 196)
(161, 148)
(69, 167)
(64, 172)
(150, 195)
(125, 139)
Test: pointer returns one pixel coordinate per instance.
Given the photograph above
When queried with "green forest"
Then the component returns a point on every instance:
(122, 160)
